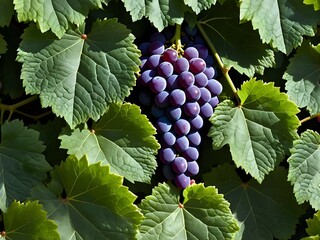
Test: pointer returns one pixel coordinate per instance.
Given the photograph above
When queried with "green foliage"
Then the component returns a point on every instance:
(303, 77)
(258, 130)
(276, 23)
(3, 45)
(316, 3)
(122, 138)
(313, 227)
(28, 221)
(79, 77)
(265, 211)
(203, 214)
(89, 202)
(6, 12)
(304, 168)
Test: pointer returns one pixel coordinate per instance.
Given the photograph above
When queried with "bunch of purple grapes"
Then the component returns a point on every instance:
(181, 92)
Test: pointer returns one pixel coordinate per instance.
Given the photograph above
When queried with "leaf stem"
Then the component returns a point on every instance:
(224, 69)
(309, 118)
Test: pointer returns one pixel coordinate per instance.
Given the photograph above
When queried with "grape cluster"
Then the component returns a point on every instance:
(181, 92)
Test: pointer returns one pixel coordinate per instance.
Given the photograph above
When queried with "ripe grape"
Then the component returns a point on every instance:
(192, 168)
(167, 155)
(163, 124)
(157, 84)
(156, 47)
(182, 181)
(162, 99)
(191, 109)
(194, 138)
(214, 87)
(196, 122)
(181, 65)
(201, 79)
(193, 93)
(191, 154)
(182, 143)
(197, 65)
(181, 127)
(186, 79)
(206, 110)
(174, 113)
(179, 165)
(170, 55)
(168, 139)
(153, 61)
(177, 98)
(191, 52)
(165, 69)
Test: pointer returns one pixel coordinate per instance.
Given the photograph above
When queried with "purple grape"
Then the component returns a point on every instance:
(182, 181)
(143, 63)
(177, 98)
(191, 52)
(157, 37)
(168, 172)
(179, 165)
(181, 65)
(163, 124)
(165, 69)
(181, 127)
(154, 61)
(157, 84)
(145, 98)
(193, 93)
(191, 154)
(194, 138)
(156, 47)
(167, 155)
(162, 99)
(214, 87)
(191, 109)
(192, 168)
(206, 110)
(203, 50)
(172, 82)
(196, 122)
(157, 112)
(168, 139)
(197, 65)
(143, 47)
(186, 79)
(182, 143)
(205, 96)
(214, 101)
(174, 113)
(170, 55)
(147, 76)
(200, 80)
(209, 72)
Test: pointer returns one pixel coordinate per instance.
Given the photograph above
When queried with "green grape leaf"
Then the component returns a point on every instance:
(277, 24)
(79, 75)
(304, 168)
(237, 44)
(6, 12)
(89, 202)
(313, 228)
(57, 15)
(22, 166)
(161, 13)
(259, 130)
(3, 45)
(267, 211)
(199, 5)
(24, 221)
(122, 138)
(303, 77)
(204, 214)
(315, 3)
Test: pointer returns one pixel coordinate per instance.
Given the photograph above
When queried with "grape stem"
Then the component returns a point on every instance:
(309, 118)
(176, 39)
(224, 69)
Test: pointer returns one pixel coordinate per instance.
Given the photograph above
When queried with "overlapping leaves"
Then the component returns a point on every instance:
(267, 211)
(22, 164)
(122, 138)
(282, 23)
(303, 77)
(304, 168)
(28, 221)
(89, 202)
(259, 130)
(79, 75)
(56, 15)
(204, 214)
(237, 44)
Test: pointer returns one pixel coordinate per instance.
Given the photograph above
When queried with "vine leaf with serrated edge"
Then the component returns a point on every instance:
(122, 138)
(276, 23)
(89, 202)
(315, 3)
(303, 77)
(313, 228)
(23, 166)
(237, 44)
(204, 214)
(304, 168)
(79, 75)
(6, 12)
(199, 5)
(265, 211)
(55, 15)
(259, 130)
(28, 221)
